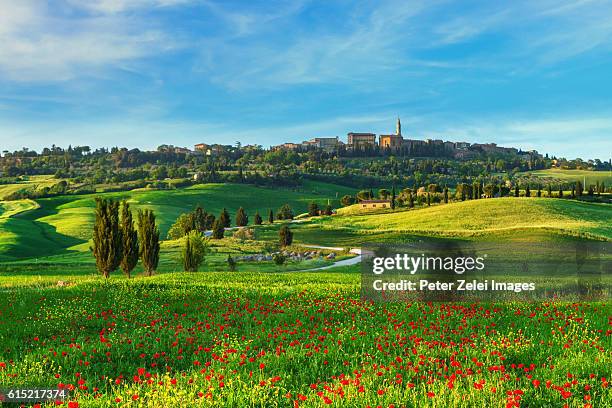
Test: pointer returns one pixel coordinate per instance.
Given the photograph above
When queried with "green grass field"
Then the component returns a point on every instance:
(591, 177)
(281, 336)
(285, 340)
(33, 183)
(489, 216)
(66, 221)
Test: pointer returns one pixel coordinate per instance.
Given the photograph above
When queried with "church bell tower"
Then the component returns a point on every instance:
(398, 128)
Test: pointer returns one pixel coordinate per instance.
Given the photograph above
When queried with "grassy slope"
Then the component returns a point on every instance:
(574, 175)
(491, 216)
(33, 183)
(66, 221)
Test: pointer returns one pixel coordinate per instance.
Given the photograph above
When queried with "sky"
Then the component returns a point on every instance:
(140, 73)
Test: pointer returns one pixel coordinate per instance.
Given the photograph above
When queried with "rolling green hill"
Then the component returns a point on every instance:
(591, 177)
(66, 221)
(489, 216)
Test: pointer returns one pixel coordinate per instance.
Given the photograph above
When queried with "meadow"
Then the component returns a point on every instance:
(282, 335)
(286, 340)
(64, 223)
(563, 175)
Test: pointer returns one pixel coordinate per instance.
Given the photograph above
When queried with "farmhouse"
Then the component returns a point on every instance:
(374, 204)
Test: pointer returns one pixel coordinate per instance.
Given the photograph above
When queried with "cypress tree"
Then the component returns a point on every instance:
(218, 230)
(270, 217)
(194, 250)
(549, 190)
(445, 195)
(149, 241)
(129, 240)
(225, 218)
(258, 220)
(539, 191)
(107, 236)
(410, 201)
(527, 191)
(579, 188)
(242, 218)
(393, 197)
(516, 190)
(428, 199)
(200, 219)
(285, 236)
(560, 192)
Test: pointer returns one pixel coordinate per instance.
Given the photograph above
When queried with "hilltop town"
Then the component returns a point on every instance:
(366, 143)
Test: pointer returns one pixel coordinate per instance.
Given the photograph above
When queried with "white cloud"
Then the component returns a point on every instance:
(117, 6)
(40, 45)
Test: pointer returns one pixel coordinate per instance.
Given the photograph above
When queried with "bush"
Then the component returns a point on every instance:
(231, 263)
(244, 234)
(279, 259)
(285, 213)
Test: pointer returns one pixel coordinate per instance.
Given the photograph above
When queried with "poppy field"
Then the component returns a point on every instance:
(297, 340)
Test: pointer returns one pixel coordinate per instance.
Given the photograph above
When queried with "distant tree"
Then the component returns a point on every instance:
(231, 263)
(364, 195)
(242, 218)
(516, 190)
(428, 198)
(218, 231)
(194, 251)
(328, 210)
(579, 188)
(225, 218)
(347, 200)
(549, 188)
(393, 198)
(591, 191)
(149, 241)
(200, 219)
(129, 240)
(445, 195)
(573, 192)
(107, 236)
(539, 191)
(313, 209)
(527, 191)
(285, 213)
(183, 225)
(410, 200)
(257, 220)
(383, 193)
(560, 192)
(285, 236)
(270, 217)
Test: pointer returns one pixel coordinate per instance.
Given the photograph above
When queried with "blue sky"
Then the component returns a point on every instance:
(139, 73)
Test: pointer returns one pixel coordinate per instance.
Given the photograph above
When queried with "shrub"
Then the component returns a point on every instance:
(231, 263)
(244, 234)
(279, 259)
